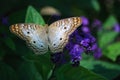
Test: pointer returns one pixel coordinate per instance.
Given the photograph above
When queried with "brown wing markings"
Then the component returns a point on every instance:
(16, 30)
(74, 23)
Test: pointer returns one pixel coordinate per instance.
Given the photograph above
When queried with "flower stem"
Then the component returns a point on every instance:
(53, 77)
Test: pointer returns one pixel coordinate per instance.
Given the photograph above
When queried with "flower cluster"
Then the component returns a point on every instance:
(85, 23)
(80, 41)
(97, 24)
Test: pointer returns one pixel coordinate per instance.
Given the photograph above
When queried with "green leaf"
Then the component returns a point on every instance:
(43, 65)
(106, 69)
(95, 5)
(112, 51)
(110, 22)
(9, 42)
(106, 38)
(68, 72)
(33, 16)
(6, 72)
(28, 71)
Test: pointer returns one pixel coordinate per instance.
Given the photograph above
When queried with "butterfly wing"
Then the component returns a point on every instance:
(59, 31)
(34, 35)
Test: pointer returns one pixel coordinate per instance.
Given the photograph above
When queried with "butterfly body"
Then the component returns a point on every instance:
(55, 36)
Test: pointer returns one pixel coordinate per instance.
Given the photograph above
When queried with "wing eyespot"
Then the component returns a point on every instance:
(65, 27)
(34, 41)
(41, 46)
(28, 32)
(60, 38)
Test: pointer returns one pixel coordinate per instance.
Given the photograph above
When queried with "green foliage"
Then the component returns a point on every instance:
(42, 63)
(68, 72)
(106, 42)
(95, 5)
(106, 38)
(113, 51)
(110, 22)
(33, 16)
(28, 71)
(6, 72)
(106, 69)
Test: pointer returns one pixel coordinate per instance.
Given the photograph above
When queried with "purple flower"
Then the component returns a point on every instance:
(85, 42)
(85, 29)
(97, 53)
(97, 24)
(85, 21)
(116, 28)
(69, 46)
(93, 40)
(79, 41)
(58, 58)
(74, 33)
(94, 47)
(75, 54)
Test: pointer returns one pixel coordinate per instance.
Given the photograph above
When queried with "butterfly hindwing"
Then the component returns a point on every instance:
(34, 35)
(59, 31)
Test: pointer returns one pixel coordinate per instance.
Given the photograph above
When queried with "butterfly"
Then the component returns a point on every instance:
(42, 38)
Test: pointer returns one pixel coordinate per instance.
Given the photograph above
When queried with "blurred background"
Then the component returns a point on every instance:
(18, 62)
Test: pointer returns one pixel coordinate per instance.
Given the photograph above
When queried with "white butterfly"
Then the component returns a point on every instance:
(55, 36)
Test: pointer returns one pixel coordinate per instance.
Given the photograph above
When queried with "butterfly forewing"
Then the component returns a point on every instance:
(59, 31)
(34, 35)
